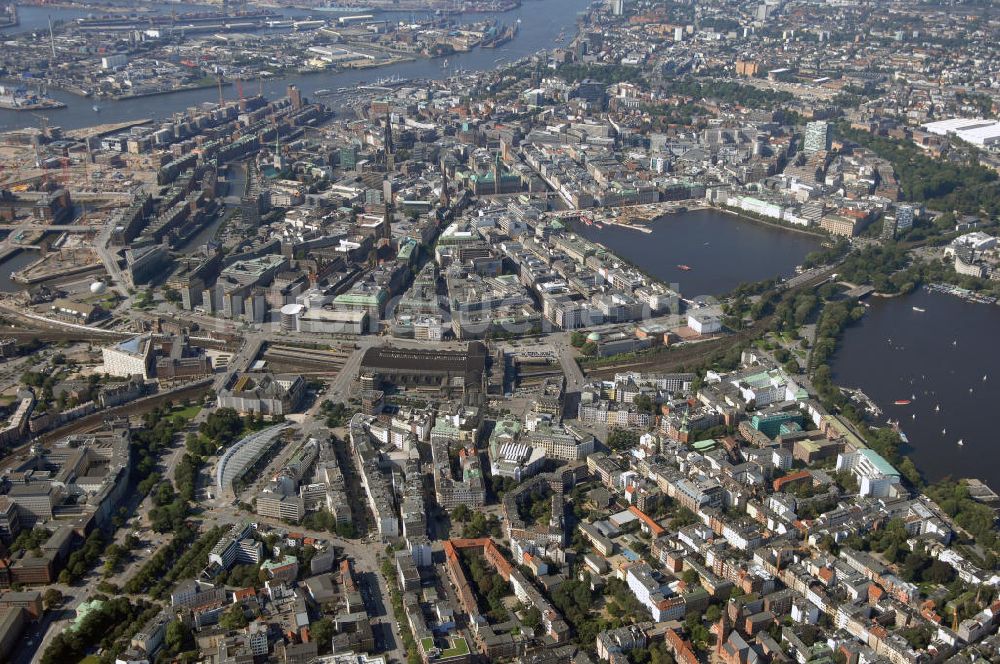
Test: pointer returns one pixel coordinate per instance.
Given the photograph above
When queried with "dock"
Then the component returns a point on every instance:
(868, 404)
(963, 293)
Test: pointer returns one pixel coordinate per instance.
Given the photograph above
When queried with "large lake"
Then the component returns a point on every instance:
(938, 359)
(721, 249)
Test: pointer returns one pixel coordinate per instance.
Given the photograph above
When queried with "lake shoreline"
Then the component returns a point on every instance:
(703, 253)
(769, 224)
(886, 353)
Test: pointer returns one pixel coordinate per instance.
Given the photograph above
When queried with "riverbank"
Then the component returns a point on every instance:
(107, 128)
(37, 106)
(541, 23)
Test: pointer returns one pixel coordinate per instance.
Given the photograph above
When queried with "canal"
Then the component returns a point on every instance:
(236, 177)
(945, 362)
(721, 249)
(541, 23)
(15, 263)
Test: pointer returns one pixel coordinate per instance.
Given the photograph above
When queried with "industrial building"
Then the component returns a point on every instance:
(455, 372)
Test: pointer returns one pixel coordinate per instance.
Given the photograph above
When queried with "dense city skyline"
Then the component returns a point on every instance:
(486, 330)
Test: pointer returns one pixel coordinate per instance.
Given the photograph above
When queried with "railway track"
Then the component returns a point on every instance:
(22, 334)
(684, 357)
(94, 421)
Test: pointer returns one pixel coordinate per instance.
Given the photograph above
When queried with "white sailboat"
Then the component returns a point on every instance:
(960, 443)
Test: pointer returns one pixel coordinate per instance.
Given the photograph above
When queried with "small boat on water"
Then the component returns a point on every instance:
(902, 437)
(937, 408)
(598, 226)
(960, 443)
(684, 268)
(919, 310)
(901, 402)
(97, 109)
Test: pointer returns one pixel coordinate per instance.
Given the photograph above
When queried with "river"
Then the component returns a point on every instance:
(541, 22)
(945, 361)
(33, 17)
(721, 249)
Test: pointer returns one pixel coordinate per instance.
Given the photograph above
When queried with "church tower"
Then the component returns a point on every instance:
(390, 149)
(445, 195)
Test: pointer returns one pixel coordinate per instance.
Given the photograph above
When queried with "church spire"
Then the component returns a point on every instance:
(496, 174)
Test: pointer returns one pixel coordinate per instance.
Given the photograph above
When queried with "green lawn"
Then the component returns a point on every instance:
(189, 412)
(458, 648)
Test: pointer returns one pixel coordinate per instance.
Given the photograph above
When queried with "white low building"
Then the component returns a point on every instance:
(704, 322)
(876, 476)
(977, 131)
(130, 357)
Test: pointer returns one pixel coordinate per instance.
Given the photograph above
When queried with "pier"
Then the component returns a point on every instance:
(963, 293)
